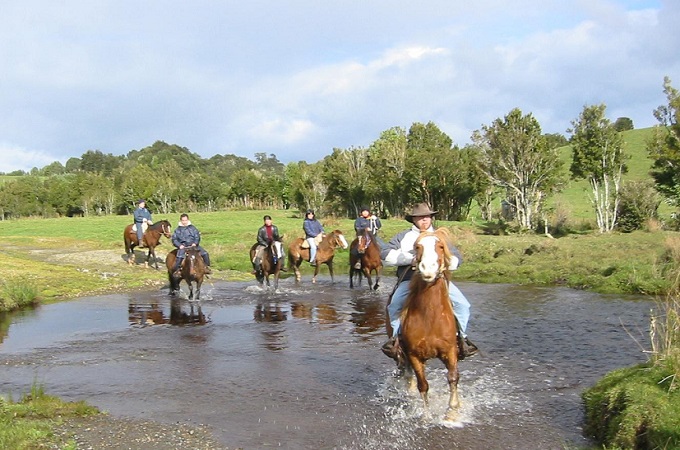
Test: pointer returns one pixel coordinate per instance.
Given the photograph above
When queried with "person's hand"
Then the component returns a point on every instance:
(181, 246)
(193, 245)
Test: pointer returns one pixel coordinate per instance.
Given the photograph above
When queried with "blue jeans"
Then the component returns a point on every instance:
(312, 249)
(181, 253)
(461, 306)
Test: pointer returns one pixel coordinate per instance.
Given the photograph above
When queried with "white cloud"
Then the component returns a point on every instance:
(298, 80)
(17, 158)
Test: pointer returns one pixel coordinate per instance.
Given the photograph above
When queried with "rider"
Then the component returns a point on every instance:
(365, 222)
(141, 216)
(399, 252)
(267, 234)
(313, 228)
(187, 235)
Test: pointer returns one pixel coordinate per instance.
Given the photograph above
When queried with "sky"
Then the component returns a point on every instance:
(299, 78)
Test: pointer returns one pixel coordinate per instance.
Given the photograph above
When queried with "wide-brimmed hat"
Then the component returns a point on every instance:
(421, 209)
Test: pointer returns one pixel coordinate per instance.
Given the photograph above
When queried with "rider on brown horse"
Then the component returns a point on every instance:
(366, 222)
(313, 228)
(267, 234)
(399, 252)
(142, 216)
(186, 235)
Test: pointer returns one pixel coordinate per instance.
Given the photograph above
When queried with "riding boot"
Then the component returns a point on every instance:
(206, 260)
(177, 269)
(391, 348)
(283, 265)
(357, 265)
(258, 268)
(465, 348)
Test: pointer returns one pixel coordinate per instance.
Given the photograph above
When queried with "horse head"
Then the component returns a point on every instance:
(166, 228)
(432, 254)
(277, 249)
(337, 239)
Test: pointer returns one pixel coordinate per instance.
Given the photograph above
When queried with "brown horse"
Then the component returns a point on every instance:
(324, 253)
(192, 271)
(428, 325)
(272, 261)
(369, 256)
(152, 237)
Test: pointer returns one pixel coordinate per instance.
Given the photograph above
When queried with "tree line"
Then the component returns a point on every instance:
(509, 159)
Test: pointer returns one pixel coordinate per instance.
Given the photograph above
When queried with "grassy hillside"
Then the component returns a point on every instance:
(574, 198)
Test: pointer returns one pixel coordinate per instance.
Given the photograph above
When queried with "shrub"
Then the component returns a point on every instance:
(638, 203)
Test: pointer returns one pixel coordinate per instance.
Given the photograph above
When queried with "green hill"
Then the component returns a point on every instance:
(574, 199)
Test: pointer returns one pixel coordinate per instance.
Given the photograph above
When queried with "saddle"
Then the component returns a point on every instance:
(144, 227)
(317, 239)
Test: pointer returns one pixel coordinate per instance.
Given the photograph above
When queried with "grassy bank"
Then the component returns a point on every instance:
(69, 257)
(28, 423)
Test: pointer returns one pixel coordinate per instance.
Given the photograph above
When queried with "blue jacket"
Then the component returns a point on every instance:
(370, 222)
(140, 214)
(186, 236)
(312, 228)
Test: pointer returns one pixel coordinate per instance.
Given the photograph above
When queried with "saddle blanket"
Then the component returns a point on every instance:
(317, 239)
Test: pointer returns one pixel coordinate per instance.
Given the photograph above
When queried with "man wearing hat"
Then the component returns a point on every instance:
(399, 252)
(142, 216)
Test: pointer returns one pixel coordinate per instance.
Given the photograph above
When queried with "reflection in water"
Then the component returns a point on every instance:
(152, 313)
(194, 315)
(333, 388)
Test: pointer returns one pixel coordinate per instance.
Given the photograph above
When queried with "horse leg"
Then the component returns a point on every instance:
(367, 273)
(152, 254)
(191, 289)
(351, 275)
(199, 282)
(330, 269)
(377, 278)
(419, 370)
(296, 267)
(452, 376)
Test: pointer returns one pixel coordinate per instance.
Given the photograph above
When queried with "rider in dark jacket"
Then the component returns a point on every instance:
(187, 235)
(141, 216)
(267, 234)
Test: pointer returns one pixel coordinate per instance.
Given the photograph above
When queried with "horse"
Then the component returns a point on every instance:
(192, 271)
(272, 261)
(369, 256)
(324, 253)
(152, 237)
(428, 325)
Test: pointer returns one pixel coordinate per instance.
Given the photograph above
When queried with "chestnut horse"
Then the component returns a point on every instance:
(369, 256)
(152, 237)
(324, 253)
(272, 260)
(428, 325)
(192, 271)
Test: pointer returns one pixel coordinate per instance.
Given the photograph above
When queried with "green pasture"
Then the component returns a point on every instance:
(626, 263)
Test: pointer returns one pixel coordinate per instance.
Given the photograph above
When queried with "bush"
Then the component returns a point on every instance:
(638, 203)
(17, 294)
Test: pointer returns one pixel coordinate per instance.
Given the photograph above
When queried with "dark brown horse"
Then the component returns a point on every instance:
(192, 271)
(428, 325)
(369, 257)
(324, 253)
(272, 261)
(152, 237)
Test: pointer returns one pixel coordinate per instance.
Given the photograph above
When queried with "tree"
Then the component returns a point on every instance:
(623, 124)
(664, 146)
(386, 187)
(516, 157)
(598, 157)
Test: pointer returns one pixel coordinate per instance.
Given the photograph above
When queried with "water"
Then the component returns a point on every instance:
(302, 367)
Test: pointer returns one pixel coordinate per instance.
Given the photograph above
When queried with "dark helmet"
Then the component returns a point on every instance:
(365, 208)
(141, 200)
(267, 217)
(310, 211)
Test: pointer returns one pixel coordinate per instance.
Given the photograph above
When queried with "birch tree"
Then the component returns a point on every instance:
(516, 157)
(598, 157)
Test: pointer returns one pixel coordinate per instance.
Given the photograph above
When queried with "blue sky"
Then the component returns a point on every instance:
(299, 78)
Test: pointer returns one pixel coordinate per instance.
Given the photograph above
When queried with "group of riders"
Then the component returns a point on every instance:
(397, 252)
